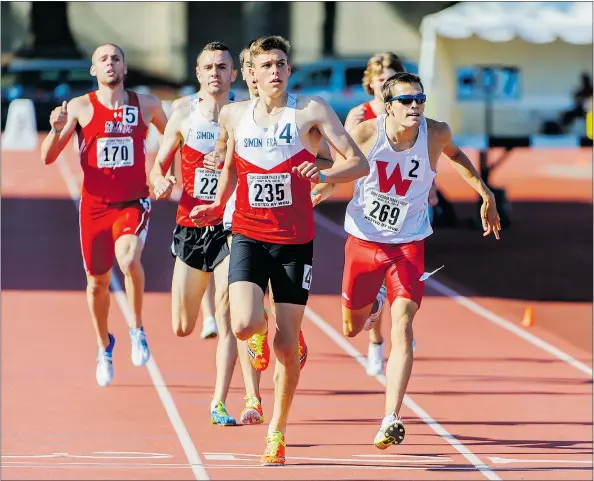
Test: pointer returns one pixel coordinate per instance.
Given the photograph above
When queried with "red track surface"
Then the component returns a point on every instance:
(521, 411)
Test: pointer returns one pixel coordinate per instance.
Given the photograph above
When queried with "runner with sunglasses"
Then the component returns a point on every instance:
(387, 222)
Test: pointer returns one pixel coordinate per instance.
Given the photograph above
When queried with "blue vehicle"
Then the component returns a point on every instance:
(336, 80)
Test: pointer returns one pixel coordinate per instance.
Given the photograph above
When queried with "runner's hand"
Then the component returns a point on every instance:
(308, 170)
(163, 187)
(433, 199)
(212, 160)
(316, 198)
(203, 215)
(355, 118)
(490, 217)
(59, 117)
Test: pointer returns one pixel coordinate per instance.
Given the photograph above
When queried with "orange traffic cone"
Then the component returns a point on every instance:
(528, 319)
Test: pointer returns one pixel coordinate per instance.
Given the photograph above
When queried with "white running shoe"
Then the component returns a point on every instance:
(382, 295)
(104, 372)
(391, 432)
(375, 359)
(140, 351)
(209, 328)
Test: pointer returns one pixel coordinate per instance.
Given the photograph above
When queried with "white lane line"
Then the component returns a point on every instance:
(490, 316)
(152, 368)
(408, 402)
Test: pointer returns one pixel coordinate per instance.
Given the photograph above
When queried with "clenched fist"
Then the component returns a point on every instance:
(59, 117)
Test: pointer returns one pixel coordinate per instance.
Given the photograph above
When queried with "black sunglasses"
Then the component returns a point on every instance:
(409, 99)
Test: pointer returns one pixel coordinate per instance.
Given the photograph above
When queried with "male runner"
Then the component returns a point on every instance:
(380, 67)
(207, 307)
(387, 222)
(253, 412)
(114, 207)
(193, 126)
(270, 145)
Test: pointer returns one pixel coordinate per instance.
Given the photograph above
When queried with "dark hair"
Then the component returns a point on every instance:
(272, 42)
(213, 47)
(399, 78)
(376, 65)
(113, 45)
(245, 50)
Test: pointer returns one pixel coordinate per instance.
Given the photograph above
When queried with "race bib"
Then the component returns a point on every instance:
(414, 168)
(205, 183)
(115, 152)
(269, 190)
(385, 211)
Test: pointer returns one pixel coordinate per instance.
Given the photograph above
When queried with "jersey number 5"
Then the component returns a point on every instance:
(130, 115)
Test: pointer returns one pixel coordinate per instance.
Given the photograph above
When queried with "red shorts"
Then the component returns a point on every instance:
(101, 225)
(367, 264)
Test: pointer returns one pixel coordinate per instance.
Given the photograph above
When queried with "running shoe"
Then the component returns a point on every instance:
(104, 372)
(391, 432)
(275, 450)
(253, 412)
(219, 415)
(140, 351)
(258, 348)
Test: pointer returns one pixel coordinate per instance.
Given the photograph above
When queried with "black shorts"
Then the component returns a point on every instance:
(202, 248)
(286, 266)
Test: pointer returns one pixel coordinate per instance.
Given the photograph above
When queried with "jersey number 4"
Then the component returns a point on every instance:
(285, 136)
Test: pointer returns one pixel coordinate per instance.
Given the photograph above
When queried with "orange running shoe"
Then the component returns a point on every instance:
(258, 348)
(275, 450)
(253, 412)
(302, 350)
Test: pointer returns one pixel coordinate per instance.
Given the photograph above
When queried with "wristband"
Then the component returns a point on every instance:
(322, 178)
(56, 131)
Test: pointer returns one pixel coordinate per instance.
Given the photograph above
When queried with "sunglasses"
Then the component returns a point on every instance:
(409, 99)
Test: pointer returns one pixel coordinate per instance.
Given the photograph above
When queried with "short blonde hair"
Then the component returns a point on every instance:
(376, 65)
(272, 42)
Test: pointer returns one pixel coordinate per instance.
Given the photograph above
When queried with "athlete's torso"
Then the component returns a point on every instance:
(390, 204)
(199, 185)
(272, 203)
(113, 152)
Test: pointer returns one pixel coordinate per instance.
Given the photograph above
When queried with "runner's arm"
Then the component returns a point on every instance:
(462, 163)
(171, 140)
(159, 116)
(354, 164)
(225, 148)
(55, 141)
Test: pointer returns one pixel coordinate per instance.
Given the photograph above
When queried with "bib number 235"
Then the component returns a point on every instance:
(269, 190)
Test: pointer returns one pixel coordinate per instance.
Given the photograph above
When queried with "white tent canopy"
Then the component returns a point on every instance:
(496, 27)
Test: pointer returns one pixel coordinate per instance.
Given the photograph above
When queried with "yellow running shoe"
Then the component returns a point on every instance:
(258, 348)
(253, 412)
(275, 450)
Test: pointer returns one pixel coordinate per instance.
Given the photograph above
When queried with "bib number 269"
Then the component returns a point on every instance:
(385, 211)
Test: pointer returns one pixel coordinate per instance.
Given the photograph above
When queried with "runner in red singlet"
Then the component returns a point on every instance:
(199, 252)
(269, 145)
(114, 207)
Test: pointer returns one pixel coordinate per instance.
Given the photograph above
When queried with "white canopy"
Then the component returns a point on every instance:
(489, 24)
(534, 22)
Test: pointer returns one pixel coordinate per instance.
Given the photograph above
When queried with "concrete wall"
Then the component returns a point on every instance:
(153, 34)
(362, 28)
